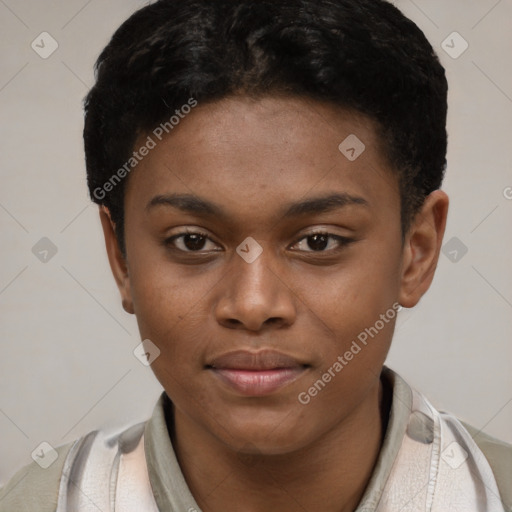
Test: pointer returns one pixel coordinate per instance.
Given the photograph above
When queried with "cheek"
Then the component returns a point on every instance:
(353, 295)
(357, 304)
(172, 310)
(165, 303)
(169, 314)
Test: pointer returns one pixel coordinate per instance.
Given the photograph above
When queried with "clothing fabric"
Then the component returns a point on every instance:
(429, 461)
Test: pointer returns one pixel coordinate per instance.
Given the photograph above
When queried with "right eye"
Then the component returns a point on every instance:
(189, 241)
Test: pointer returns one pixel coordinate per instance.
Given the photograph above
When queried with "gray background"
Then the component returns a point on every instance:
(67, 364)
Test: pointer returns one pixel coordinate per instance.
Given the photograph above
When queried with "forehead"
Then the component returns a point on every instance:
(252, 156)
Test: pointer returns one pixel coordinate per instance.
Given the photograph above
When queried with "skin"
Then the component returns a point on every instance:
(253, 157)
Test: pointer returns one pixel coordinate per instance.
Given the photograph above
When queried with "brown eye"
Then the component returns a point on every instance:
(318, 242)
(189, 242)
(322, 242)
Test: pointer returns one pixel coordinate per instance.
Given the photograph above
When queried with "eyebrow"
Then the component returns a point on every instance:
(195, 205)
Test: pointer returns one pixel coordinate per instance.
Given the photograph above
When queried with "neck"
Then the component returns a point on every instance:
(330, 474)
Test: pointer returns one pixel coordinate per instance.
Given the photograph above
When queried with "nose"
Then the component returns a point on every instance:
(254, 296)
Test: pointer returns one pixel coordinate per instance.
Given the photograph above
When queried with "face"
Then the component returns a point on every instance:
(266, 265)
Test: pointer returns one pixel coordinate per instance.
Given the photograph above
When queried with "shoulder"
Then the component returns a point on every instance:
(34, 488)
(90, 459)
(499, 455)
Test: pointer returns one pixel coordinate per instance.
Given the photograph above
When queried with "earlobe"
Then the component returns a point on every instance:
(116, 259)
(422, 248)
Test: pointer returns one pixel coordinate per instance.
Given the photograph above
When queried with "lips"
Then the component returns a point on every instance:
(256, 361)
(256, 373)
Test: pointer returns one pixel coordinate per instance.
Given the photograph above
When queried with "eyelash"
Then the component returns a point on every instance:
(343, 241)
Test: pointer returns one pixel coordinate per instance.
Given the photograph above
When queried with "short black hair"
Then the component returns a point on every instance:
(364, 55)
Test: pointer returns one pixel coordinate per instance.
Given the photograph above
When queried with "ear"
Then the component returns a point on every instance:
(422, 247)
(116, 259)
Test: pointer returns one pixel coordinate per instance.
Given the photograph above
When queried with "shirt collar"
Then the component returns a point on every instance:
(401, 407)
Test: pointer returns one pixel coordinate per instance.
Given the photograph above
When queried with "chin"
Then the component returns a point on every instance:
(265, 434)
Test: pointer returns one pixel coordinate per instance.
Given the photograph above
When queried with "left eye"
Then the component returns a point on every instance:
(320, 242)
